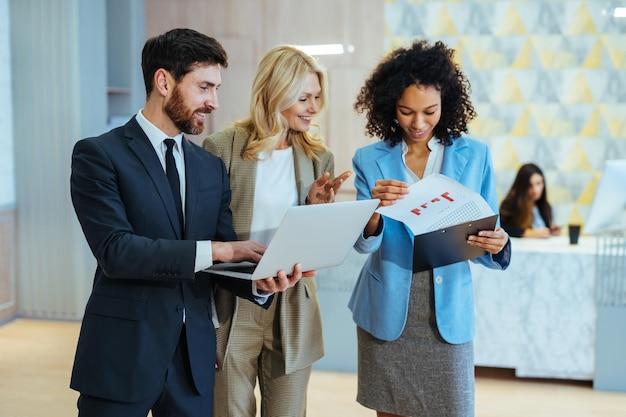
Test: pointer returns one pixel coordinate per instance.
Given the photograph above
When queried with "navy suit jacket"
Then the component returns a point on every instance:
(144, 282)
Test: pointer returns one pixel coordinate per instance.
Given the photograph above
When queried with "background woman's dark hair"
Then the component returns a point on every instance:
(178, 51)
(516, 198)
(421, 64)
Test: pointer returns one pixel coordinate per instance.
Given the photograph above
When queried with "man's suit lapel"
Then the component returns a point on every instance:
(192, 165)
(141, 146)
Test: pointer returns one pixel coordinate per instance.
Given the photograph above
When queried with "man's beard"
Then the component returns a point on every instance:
(181, 116)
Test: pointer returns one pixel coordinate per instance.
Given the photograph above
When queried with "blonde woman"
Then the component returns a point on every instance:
(274, 162)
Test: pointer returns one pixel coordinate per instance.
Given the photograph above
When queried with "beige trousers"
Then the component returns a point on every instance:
(255, 353)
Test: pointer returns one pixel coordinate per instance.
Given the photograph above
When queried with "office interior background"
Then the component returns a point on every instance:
(548, 81)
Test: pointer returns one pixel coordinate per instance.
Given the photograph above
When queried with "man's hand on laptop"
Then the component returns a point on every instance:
(237, 251)
(282, 280)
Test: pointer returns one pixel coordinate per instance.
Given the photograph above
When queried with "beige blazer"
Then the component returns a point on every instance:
(299, 314)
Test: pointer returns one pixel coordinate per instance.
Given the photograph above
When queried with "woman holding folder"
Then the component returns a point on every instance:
(415, 328)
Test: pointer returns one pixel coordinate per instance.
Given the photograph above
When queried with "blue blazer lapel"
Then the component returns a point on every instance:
(455, 159)
(141, 146)
(388, 162)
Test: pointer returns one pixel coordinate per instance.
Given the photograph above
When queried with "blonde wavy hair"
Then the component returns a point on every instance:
(277, 85)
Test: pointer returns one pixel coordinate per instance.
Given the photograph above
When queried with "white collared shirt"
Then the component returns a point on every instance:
(204, 249)
(433, 164)
(156, 137)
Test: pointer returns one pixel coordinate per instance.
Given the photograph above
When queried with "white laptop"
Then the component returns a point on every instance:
(315, 236)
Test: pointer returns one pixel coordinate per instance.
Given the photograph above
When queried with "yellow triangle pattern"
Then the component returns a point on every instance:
(577, 160)
(507, 158)
(575, 217)
(541, 116)
(443, 24)
(475, 127)
(524, 58)
(475, 55)
(560, 128)
(549, 124)
(594, 58)
(459, 52)
(494, 59)
(586, 197)
(509, 92)
(544, 50)
(511, 24)
(563, 59)
(395, 42)
(559, 194)
(613, 116)
(591, 129)
(582, 23)
(486, 127)
(580, 91)
(615, 48)
(598, 118)
(522, 125)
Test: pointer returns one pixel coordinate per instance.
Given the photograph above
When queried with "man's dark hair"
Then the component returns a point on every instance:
(178, 51)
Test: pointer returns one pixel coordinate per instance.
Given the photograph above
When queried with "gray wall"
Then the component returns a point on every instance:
(59, 84)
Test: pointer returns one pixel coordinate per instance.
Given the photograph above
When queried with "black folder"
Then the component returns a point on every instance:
(449, 244)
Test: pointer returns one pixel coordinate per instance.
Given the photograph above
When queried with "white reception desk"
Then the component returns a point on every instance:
(537, 317)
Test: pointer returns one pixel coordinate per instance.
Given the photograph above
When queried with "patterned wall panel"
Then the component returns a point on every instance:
(548, 82)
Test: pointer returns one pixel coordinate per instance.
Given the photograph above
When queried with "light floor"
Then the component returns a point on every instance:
(36, 359)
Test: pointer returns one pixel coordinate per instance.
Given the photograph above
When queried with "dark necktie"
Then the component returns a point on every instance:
(173, 179)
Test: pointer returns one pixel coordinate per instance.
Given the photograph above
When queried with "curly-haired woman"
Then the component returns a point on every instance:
(415, 328)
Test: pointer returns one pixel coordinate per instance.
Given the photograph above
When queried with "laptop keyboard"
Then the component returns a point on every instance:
(246, 269)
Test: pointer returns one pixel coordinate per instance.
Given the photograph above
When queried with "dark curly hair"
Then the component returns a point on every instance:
(421, 64)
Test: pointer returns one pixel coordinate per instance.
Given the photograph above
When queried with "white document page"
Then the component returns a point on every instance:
(435, 202)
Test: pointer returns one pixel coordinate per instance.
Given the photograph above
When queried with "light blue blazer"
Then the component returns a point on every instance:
(380, 299)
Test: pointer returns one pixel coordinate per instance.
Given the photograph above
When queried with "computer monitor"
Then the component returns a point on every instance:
(608, 210)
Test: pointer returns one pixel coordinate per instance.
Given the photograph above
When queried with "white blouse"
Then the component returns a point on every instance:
(274, 192)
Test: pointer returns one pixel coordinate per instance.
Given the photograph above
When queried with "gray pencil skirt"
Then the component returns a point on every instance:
(418, 374)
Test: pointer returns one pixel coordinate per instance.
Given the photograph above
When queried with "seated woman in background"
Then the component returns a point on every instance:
(525, 211)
